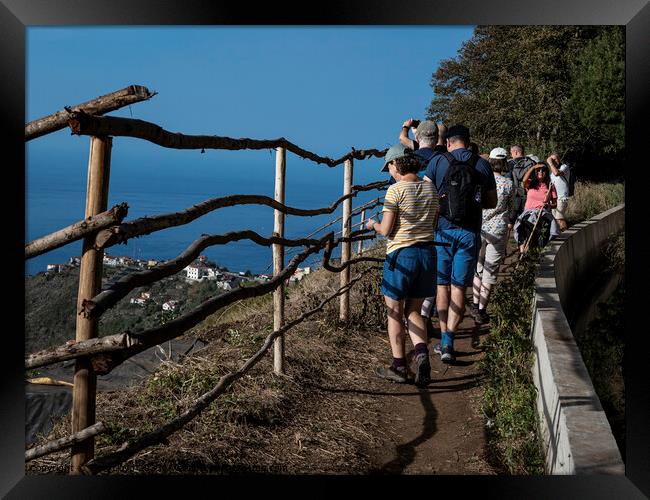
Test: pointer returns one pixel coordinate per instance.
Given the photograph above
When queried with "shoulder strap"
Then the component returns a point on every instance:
(473, 160)
(449, 156)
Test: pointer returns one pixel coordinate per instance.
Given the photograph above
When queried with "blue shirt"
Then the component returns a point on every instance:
(436, 171)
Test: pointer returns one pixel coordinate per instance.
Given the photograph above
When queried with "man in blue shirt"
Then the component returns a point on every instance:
(457, 262)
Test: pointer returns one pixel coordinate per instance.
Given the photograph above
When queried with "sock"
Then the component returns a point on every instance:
(447, 338)
(421, 348)
(399, 364)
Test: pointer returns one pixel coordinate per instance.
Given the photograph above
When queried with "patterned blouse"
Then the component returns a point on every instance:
(495, 220)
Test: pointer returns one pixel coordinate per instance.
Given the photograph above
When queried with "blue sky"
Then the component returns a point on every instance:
(326, 89)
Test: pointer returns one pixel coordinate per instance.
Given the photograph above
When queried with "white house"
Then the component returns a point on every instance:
(110, 260)
(170, 305)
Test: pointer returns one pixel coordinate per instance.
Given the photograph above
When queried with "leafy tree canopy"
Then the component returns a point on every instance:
(545, 87)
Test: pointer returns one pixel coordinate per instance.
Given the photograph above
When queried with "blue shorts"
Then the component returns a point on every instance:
(410, 273)
(457, 263)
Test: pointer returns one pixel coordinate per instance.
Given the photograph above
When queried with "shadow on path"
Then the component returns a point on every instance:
(405, 453)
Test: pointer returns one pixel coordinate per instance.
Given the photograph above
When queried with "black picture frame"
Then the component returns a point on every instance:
(16, 15)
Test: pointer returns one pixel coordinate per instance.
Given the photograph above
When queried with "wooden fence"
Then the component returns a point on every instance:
(102, 228)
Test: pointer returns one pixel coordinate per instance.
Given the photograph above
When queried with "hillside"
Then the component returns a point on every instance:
(50, 304)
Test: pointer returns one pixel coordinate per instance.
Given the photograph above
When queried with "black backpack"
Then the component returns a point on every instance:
(519, 168)
(458, 200)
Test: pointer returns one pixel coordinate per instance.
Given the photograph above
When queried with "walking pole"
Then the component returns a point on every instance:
(539, 217)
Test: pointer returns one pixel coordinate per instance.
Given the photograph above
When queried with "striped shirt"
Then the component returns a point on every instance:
(416, 207)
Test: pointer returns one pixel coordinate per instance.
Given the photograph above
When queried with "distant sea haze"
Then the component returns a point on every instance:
(55, 198)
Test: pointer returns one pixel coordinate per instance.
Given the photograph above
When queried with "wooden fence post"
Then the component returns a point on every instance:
(361, 227)
(346, 247)
(278, 261)
(90, 282)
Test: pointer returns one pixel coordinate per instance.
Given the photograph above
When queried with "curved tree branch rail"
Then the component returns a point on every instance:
(112, 350)
(96, 306)
(106, 353)
(82, 123)
(128, 449)
(146, 225)
(97, 106)
(76, 231)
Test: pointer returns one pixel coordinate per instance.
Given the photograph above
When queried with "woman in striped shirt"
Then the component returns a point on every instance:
(410, 215)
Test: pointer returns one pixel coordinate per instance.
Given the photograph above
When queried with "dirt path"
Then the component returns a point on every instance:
(437, 430)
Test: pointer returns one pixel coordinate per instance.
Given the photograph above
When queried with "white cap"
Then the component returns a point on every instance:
(534, 158)
(498, 153)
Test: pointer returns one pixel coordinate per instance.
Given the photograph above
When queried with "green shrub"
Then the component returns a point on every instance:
(509, 400)
(592, 198)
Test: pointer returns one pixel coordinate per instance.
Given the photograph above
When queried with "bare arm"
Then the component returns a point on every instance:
(385, 226)
(526, 180)
(555, 166)
(404, 134)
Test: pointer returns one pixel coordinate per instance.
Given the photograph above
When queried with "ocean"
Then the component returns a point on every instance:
(156, 184)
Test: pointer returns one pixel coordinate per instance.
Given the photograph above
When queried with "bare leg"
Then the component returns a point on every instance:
(416, 326)
(476, 289)
(486, 288)
(442, 304)
(456, 308)
(396, 333)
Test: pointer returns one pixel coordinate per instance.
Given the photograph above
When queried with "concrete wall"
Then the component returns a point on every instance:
(575, 431)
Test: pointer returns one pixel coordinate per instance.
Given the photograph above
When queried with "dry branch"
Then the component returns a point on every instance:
(84, 124)
(94, 307)
(112, 350)
(147, 225)
(66, 442)
(127, 450)
(353, 237)
(76, 231)
(97, 106)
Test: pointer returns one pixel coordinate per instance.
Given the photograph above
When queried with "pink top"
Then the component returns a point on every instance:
(535, 197)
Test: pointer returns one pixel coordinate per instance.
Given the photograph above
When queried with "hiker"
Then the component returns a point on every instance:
(540, 198)
(408, 220)
(494, 235)
(517, 168)
(429, 305)
(560, 175)
(465, 184)
(429, 145)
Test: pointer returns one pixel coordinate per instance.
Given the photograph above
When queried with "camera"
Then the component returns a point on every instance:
(415, 123)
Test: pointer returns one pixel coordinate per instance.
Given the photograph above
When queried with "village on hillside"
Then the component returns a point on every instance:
(201, 269)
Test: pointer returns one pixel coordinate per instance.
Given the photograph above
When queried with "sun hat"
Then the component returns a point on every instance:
(534, 158)
(394, 152)
(427, 128)
(498, 154)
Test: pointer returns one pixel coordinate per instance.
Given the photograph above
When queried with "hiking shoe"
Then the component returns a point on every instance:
(446, 353)
(390, 373)
(474, 312)
(482, 317)
(422, 370)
